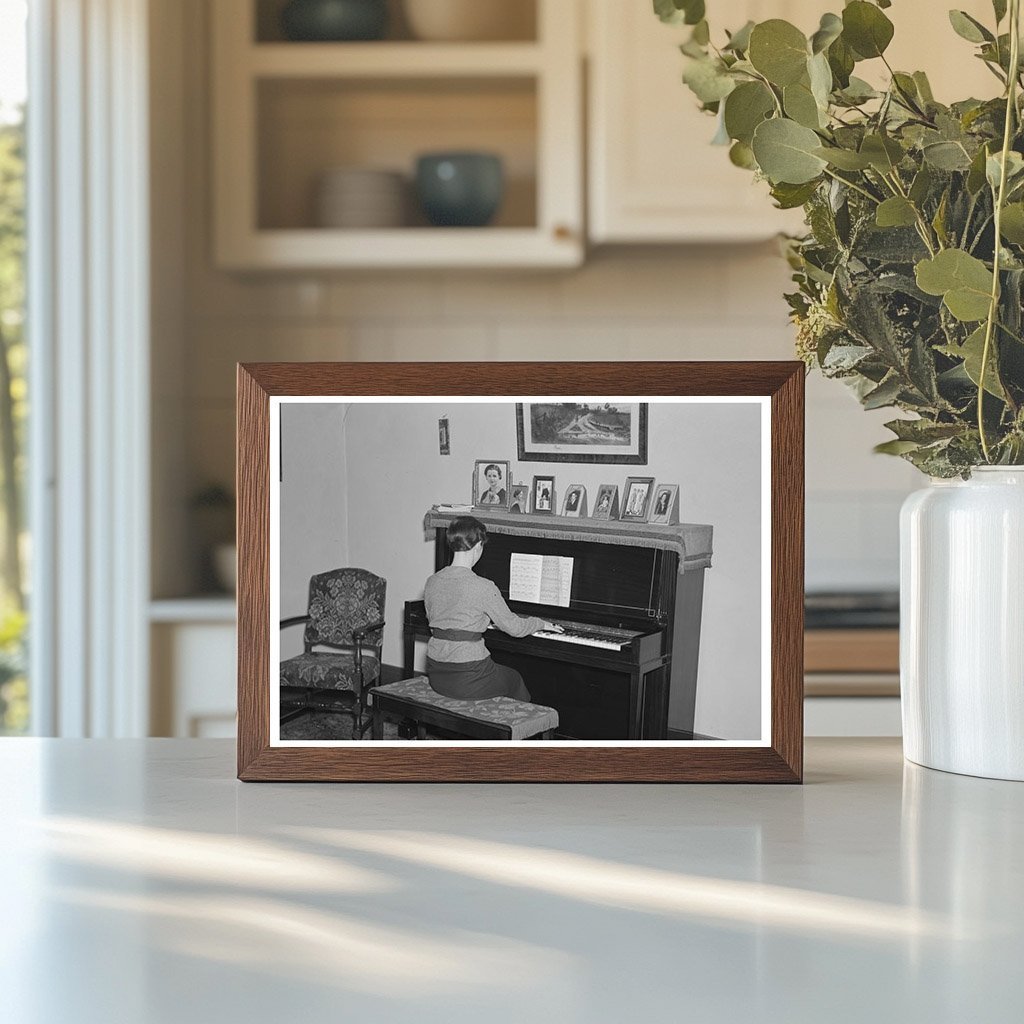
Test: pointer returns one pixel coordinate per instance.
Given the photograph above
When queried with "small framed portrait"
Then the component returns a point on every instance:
(520, 502)
(665, 510)
(636, 499)
(544, 495)
(574, 504)
(607, 504)
(491, 485)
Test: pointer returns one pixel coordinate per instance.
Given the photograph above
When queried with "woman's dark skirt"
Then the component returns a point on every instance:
(475, 680)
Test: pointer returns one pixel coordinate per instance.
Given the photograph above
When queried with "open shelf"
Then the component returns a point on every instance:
(308, 127)
(393, 60)
(287, 113)
(520, 15)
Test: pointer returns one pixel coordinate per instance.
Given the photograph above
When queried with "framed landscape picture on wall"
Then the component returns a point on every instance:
(389, 628)
(582, 432)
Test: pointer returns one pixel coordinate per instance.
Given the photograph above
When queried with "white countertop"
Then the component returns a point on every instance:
(143, 884)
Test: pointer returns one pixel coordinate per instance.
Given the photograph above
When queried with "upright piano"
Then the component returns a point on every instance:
(627, 663)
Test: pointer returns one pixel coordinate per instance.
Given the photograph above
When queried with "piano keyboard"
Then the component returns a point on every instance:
(589, 636)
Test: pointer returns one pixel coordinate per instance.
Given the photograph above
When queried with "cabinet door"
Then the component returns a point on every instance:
(654, 176)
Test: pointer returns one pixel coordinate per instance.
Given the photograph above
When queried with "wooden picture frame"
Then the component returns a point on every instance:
(576, 437)
(636, 499)
(492, 476)
(776, 388)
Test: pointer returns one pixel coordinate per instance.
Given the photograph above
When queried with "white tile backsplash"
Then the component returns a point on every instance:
(715, 303)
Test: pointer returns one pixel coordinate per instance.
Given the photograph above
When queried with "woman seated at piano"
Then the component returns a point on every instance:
(460, 606)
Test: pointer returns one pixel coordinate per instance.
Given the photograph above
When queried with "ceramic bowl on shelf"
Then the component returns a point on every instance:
(334, 21)
(460, 189)
(361, 198)
(471, 20)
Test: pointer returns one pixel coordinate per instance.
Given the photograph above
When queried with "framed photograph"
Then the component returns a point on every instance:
(665, 509)
(520, 498)
(607, 504)
(360, 591)
(491, 485)
(582, 432)
(574, 504)
(544, 498)
(636, 499)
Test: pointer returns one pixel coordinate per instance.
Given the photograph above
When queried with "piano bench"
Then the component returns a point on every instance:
(496, 718)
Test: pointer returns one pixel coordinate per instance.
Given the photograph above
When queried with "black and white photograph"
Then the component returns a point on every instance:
(606, 505)
(491, 482)
(404, 615)
(520, 500)
(544, 495)
(599, 431)
(665, 510)
(636, 498)
(574, 505)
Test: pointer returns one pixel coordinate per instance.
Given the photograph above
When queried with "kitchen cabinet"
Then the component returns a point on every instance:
(287, 113)
(653, 175)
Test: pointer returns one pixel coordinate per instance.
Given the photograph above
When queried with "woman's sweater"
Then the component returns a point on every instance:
(456, 598)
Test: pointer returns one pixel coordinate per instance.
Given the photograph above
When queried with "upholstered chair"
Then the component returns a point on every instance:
(341, 646)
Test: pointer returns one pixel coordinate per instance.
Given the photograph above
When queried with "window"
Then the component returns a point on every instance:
(14, 547)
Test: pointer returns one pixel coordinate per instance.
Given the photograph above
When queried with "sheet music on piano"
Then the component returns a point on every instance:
(540, 579)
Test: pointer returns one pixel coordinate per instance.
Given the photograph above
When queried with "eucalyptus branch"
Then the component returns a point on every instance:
(1000, 198)
(853, 185)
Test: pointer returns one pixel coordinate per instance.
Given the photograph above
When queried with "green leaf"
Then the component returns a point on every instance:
(801, 106)
(830, 29)
(785, 152)
(883, 153)
(742, 155)
(789, 197)
(1012, 224)
(896, 212)
(820, 76)
(841, 60)
(739, 41)
(946, 156)
(921, 186)
(963, 281)
(924, 87)
(994, 168)
(976, 174)
(844, 159)
(895, 447)
(971, 352)
(676, 12)
(866, 29)
(746, 107)
(778, 50)
(968, 28)
(708, 80)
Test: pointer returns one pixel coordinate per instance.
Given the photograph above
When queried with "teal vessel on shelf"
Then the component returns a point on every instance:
(334, 21)
(461, 190)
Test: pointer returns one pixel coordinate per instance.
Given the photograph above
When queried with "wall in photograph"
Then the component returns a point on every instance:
(395, 474)
(314, 505)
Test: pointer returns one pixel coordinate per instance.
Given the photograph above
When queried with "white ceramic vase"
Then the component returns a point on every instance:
(962, 624)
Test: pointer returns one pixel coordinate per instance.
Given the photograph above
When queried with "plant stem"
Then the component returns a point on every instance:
(993, 309)
(855, 187)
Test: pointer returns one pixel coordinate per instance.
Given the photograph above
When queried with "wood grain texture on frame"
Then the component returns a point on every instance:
(782, 761)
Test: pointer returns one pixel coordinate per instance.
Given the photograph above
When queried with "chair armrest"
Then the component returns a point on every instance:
(359, 634)
(295, 620)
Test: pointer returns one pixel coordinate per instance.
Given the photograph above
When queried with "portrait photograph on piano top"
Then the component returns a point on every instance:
(431, 587)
